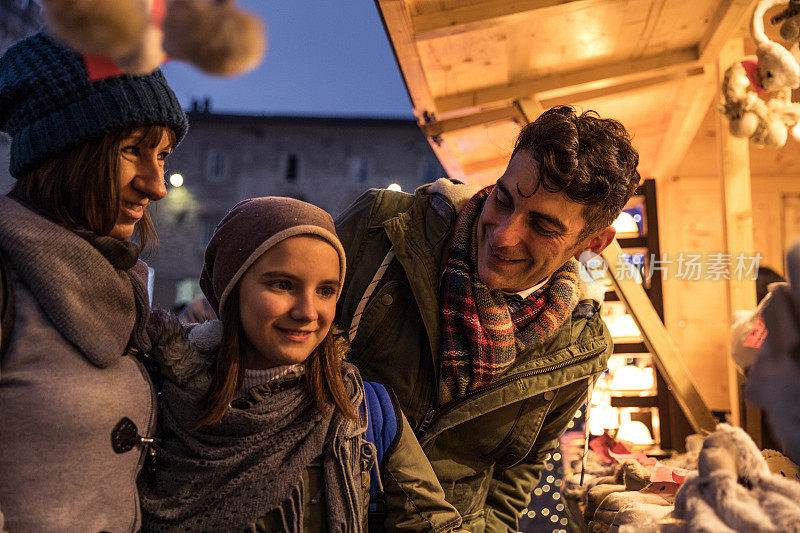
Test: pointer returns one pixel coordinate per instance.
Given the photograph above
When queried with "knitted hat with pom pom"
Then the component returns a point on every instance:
(48, 103)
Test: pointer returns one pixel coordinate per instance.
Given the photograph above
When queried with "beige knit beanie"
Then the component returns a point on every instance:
(251, 228)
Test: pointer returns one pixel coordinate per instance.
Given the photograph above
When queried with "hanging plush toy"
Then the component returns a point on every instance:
(136, 36)
(757, 91)
(790, 29)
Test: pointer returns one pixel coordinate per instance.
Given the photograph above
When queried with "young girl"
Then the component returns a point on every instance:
(264, 427)
(76, 406)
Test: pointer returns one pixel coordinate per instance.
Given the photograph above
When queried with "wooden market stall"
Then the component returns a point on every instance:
(476, 70)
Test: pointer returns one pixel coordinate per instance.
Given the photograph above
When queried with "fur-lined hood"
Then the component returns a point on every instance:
(184, 353)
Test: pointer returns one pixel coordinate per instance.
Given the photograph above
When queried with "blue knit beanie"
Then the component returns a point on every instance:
(48, 104)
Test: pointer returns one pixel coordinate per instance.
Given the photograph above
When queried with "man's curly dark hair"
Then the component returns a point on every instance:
(588, 158)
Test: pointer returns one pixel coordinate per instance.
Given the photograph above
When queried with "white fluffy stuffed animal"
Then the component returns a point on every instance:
(774, 73)
(138, 35)
(777, 67)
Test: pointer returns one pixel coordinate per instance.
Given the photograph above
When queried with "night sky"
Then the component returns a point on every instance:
(328, 57)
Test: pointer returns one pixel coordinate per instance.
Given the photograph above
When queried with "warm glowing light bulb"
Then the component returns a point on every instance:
(626, 225)
(395, 187)
(176, 180)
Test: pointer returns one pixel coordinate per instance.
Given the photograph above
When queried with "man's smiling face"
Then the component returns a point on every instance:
(523, 240)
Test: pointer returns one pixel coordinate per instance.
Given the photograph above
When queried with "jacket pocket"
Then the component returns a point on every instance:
(519, 441)
(378, 321)
(392, 347)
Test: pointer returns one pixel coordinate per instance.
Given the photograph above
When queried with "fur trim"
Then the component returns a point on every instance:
(206, 337)
(595, 290)
(179, 359)
(735, 491)
(457, 192)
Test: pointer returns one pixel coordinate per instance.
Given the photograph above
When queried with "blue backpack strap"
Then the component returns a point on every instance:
(384, 428)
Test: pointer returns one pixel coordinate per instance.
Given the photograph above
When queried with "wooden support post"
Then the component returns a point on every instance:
(737, 218)
(666, 355)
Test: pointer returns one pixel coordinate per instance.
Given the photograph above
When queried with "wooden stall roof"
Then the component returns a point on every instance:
(477, 69)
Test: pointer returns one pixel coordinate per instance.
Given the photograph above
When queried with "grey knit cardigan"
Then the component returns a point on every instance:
(64, 381)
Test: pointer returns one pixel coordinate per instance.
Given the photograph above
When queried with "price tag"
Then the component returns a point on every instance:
(667, 474)
(757, 335)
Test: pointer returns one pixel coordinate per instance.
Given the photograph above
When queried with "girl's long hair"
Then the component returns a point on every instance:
(79, 189)
(323, 370)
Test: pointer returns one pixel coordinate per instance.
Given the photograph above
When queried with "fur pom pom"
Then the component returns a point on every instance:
(103, 27)
(215, 36)
(146, 56)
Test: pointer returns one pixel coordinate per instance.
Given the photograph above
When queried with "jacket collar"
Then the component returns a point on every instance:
(97, 306)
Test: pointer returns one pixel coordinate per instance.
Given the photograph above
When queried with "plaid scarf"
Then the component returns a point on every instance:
(481, 337)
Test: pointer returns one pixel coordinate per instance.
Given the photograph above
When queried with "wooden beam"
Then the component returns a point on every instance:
(473, 167)
(397, 24)
(624, 89)
(737, 209)
(687, 115)
(447, 158)
(665, 352)
(502, 114)
(531, 108)
(569, 82)
(447, 22)
(728, 18)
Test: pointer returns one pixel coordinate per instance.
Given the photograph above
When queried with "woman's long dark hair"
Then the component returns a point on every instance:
(80, 188)
(323, 370)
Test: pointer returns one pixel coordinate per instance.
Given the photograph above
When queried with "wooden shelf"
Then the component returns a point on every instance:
(630, 347)
(633, 242)
(634, 401)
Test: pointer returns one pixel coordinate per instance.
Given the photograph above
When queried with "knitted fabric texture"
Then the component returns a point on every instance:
(49, 105)
(226, 476)
(481, 337)
(251, 228)
(253, 378)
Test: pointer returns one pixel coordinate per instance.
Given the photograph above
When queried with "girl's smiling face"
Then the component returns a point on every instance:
(287, 301)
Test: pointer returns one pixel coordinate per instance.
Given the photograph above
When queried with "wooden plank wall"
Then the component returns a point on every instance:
(691, 222)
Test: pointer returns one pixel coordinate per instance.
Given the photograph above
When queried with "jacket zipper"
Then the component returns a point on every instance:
(433, 414)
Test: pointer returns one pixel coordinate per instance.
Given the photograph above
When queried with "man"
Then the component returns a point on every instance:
(469, 306)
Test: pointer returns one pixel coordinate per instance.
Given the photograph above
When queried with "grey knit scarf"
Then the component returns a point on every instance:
(228, 475)
(92, 288)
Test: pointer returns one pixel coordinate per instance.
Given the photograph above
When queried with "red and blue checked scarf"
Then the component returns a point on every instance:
(481, 337)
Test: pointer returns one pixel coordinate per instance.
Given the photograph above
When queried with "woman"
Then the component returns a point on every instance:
(264, 426)
(76, 405)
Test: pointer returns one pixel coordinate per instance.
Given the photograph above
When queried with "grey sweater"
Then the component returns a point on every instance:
(65, 382)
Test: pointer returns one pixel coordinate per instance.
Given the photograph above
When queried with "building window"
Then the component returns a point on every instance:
(291, 169)
(430, 170)
(359, 170)
(216, 166)
(187, 290)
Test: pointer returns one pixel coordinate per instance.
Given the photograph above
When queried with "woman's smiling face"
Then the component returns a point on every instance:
(141, 179)
(287, 301)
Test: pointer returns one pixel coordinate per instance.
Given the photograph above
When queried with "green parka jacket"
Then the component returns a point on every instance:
(487, 448)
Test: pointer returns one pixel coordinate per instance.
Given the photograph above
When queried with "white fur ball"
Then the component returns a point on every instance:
(776, 135)
(745, 125)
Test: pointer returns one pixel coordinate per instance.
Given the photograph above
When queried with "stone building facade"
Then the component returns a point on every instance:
(225, 158)
(328, 161)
